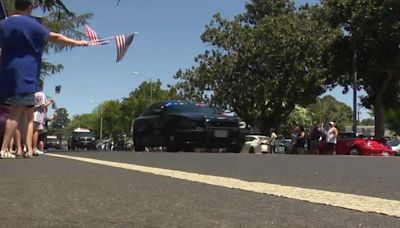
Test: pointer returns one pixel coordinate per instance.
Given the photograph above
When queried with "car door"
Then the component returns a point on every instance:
(146, 127)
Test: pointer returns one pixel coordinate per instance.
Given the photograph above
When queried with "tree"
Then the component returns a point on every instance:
(57, 18)
(370, 42)
(262, 63)
(86, 120)
(139, 99)
(328, 109)
(58, 126)
(299, 116)
(392, 117)
(367, 122)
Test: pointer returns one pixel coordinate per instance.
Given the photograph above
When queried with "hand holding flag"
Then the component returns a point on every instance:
(122, 42)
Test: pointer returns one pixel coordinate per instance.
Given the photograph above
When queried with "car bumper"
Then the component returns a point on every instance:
(209, 137)
(375, 152)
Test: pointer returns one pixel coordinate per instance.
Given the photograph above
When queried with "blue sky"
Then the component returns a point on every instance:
(168, 40)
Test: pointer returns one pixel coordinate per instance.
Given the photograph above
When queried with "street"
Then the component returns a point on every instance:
(159, 189)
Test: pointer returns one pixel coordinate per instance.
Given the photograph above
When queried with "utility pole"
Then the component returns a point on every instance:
(355, 92)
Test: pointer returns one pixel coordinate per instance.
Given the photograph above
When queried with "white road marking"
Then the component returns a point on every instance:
(335, 199)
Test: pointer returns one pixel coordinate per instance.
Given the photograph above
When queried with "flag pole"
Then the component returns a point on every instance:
(110, 38)
(96, 43)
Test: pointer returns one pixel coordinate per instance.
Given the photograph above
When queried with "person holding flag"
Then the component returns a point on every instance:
(22, 39)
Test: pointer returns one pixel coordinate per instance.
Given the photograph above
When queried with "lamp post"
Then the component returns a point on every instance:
(151, 84)
(101, 119)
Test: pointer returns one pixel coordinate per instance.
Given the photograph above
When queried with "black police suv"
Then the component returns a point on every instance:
(82, 140)
(184, 125)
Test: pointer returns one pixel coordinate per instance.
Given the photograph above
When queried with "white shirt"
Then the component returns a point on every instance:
(331, 138)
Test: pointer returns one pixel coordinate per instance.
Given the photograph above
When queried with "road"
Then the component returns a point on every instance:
(158, 189)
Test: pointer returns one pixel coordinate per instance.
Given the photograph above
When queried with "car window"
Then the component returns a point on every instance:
(84, 134)
(249, 139)
(393, 142)
(189, 108)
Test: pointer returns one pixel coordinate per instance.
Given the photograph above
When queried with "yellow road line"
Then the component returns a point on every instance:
(335, 199)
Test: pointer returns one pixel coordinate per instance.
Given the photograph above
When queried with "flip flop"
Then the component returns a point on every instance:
(6, 155)
(28, 155)
(19, 155)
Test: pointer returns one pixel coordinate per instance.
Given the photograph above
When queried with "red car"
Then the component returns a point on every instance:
(348, 144)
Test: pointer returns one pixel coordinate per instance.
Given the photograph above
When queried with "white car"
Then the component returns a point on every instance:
(256, 144)
(395, 145)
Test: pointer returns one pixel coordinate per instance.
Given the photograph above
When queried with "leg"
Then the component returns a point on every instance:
(16, 112)
(29, 129)
(18, 143)
(35, 138)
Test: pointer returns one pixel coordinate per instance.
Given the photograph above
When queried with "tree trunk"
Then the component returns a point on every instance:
(378, 106)
(379, 121)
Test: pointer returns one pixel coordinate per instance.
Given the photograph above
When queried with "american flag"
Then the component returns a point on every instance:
(58, 89)
(123, 45)
(92, 35)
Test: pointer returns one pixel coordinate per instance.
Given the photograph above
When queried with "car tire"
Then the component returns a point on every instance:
(189, 148)
(172, 148)
(251, 150)
(138, 147)
(355, 151)
(235, 149)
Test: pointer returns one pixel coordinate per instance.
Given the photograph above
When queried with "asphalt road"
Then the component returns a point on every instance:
(145, 189)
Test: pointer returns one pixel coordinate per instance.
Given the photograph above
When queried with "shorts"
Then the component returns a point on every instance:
(42, 136)
(27, 99)
(38, 126)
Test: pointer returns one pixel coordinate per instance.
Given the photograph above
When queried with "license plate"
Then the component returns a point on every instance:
(385, 153)
(221, 134)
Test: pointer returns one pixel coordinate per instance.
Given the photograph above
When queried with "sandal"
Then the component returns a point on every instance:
(6, 155)
(28, 155)
(19, 154)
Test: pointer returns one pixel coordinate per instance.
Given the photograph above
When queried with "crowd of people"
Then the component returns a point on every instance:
(311, 140)
(22, 40)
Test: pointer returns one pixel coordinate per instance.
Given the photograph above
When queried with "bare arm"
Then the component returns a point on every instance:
(61, 39)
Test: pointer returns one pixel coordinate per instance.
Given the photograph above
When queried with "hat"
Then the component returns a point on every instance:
(332, 123)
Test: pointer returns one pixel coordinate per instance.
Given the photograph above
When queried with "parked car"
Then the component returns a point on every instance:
(348, 144)
(394, 145)
(283, 146)
(82, 138)
(184, 125)
(52, 142)
(256, 144)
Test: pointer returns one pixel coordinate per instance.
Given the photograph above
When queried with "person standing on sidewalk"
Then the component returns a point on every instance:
(22, 40)
(40, 114)
(331, 138)
(315, 135)
(273, 138)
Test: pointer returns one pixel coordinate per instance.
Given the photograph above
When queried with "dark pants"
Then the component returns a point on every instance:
(331, 148)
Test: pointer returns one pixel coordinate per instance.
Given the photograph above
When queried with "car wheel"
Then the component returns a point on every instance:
(138, 147)
(251, 150)
(355, 151)
(172, 148)
(188, 148)
(234, 149)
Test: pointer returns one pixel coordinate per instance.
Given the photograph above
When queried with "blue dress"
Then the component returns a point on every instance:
(22, 40)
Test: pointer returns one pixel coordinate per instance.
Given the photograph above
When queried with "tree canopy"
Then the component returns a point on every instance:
(369, 44)
(262, 63)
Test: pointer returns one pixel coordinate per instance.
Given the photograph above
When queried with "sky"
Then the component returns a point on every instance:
(168, 39)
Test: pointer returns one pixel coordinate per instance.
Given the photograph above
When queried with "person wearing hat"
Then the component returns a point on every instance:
(331, 138)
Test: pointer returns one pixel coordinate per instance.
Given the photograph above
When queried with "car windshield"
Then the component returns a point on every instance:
(189, 108)
(84, 134)
(394, 142)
